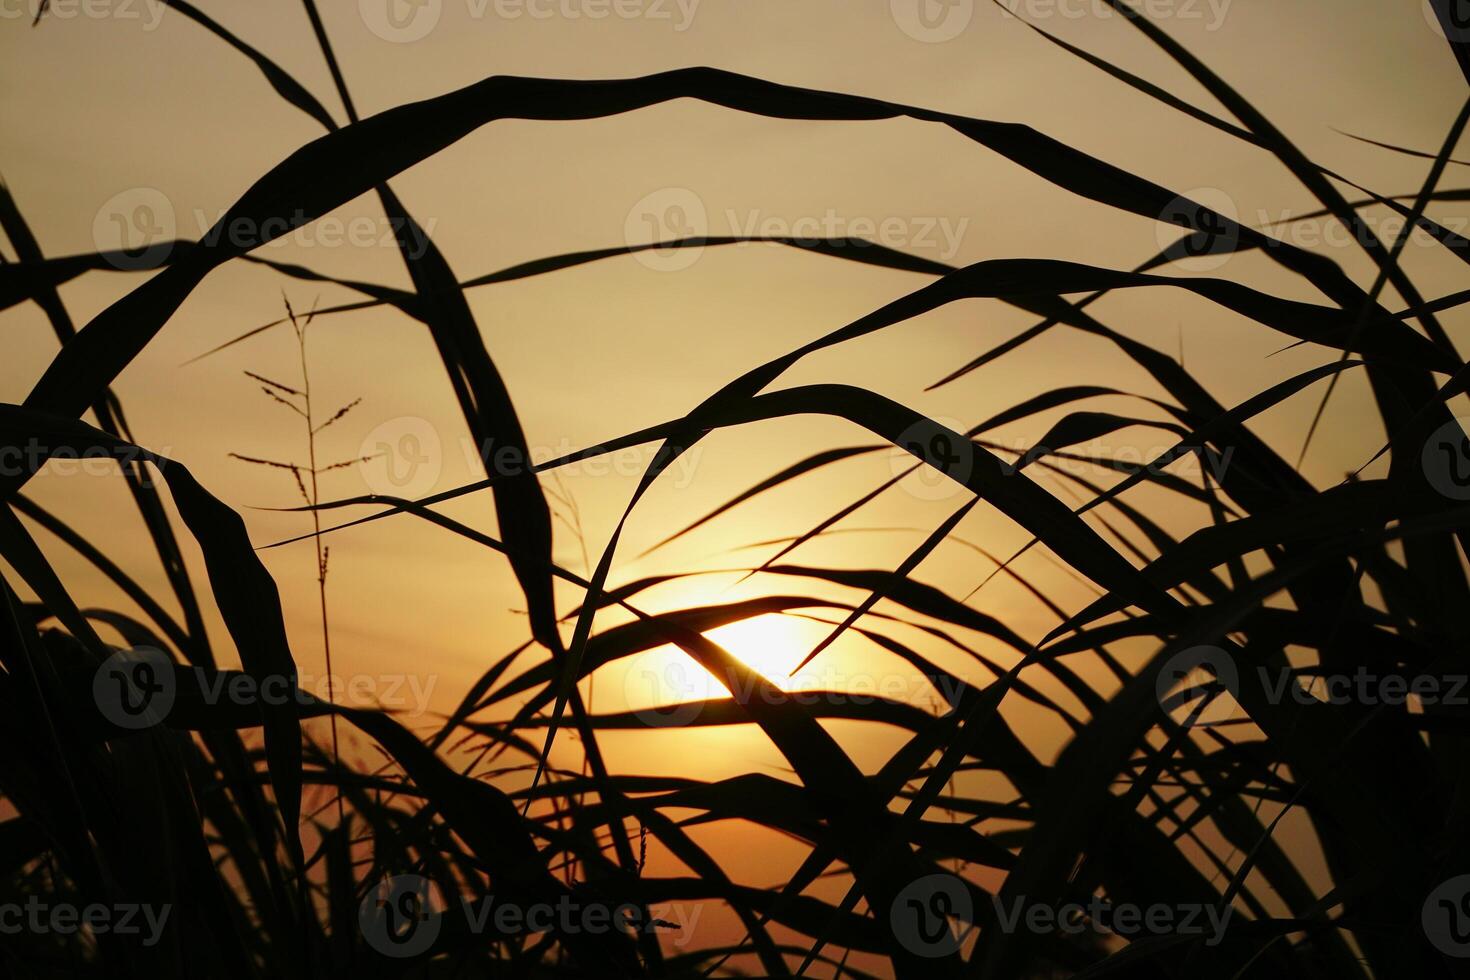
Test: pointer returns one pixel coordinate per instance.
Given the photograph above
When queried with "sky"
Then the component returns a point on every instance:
(122, 117)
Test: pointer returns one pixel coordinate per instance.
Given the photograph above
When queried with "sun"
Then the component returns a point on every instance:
(770, 644)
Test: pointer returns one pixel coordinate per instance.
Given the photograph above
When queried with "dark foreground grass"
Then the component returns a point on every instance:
(1152, 803)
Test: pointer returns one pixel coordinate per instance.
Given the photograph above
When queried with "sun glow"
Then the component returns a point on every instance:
(771, 644)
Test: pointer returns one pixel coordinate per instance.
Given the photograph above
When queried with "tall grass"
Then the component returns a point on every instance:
(1161, 798)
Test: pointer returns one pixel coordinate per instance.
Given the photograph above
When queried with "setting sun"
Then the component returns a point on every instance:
(772, 644)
